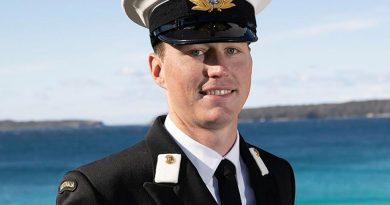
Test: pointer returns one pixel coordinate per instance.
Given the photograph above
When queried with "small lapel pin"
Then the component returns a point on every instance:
(169, 159)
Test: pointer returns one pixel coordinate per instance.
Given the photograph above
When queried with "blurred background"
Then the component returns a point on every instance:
(66, 60)
(87, 60)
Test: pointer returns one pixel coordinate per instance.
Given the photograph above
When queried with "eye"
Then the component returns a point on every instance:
(231, 51)
(196, 53)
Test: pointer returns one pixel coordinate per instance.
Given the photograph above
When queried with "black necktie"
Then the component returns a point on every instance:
(227, 183)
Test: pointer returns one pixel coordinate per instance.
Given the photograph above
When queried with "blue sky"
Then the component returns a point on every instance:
(87, 60)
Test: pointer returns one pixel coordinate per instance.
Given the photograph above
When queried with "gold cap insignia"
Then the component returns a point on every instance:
(210, 5)
(68, 185)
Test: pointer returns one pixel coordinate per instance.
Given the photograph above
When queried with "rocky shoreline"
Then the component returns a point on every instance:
(9, 125)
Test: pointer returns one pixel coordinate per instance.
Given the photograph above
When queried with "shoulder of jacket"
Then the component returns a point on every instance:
(133, 164)
(75, 187)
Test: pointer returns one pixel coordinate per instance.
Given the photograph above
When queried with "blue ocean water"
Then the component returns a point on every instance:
(335, 161)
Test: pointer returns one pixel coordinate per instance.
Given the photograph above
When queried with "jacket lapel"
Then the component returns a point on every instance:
(162, 194)
(264, 187)
(190, 189)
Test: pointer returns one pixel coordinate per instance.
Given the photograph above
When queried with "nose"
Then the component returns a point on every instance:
(216, 71)
(216, 66)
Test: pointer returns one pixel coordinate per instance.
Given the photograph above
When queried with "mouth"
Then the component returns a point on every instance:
(217, 92)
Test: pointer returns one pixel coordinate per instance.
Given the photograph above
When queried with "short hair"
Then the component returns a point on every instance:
(159, 49)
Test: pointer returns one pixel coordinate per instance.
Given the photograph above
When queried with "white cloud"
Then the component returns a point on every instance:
(132, 72)
(81, 83)
(318, 86)
(350, 25)
(321, 77)
(327, 28)
(135, 64)
(23, 68)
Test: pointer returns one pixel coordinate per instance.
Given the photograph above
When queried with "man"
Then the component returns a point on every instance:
(194, 155)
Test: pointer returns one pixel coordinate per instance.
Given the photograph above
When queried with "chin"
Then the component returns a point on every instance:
(219, 117)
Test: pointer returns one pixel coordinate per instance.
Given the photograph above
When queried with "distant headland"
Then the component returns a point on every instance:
(8, 125)
(353, 109)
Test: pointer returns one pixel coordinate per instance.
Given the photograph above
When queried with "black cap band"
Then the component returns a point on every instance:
(206, 33)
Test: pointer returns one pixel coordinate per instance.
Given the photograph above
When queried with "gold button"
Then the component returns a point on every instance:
(257, 152)
(169, 159)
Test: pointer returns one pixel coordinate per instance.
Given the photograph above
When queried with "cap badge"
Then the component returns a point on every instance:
(210, 5)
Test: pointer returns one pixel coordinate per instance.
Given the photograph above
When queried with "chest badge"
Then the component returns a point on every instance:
(210, 5)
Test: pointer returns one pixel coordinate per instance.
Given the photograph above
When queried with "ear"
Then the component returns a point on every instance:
(155, 68)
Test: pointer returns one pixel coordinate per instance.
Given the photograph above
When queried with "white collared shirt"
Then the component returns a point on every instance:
(206, 161)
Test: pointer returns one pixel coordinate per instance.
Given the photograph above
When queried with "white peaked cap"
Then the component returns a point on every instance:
(140, 10)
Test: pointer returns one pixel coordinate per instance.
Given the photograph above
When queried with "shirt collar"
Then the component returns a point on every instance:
(205, 159)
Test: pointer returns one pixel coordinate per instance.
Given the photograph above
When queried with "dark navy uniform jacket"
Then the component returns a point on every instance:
(127, 177)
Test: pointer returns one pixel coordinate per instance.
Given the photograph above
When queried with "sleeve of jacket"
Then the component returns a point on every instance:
(287, 183)
(292, 179)
(75, 189)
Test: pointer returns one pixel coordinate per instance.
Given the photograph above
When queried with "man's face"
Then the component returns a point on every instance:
(206, 84)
